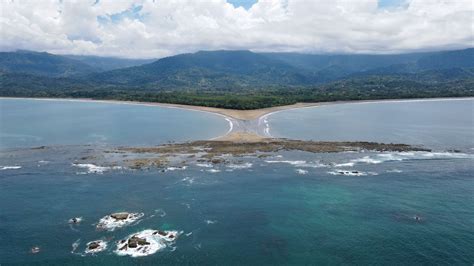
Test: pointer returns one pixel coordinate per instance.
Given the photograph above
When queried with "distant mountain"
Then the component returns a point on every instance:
(43, 64)
(232, 70)
(109, 63)
(215, 69)
(243, 79)
(450, 59)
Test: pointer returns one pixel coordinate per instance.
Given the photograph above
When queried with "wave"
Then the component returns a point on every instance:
(189, 180)
(402, 156)
(240, 166)
(146, 242)
(95, 169)
(10, 167)
(300, 163)
(205, 165)
(213, 170)
(174, 168)
(394, 171)
(351, 173)
(301, 171)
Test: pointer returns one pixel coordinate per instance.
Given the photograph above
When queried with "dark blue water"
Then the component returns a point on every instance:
(290, 208)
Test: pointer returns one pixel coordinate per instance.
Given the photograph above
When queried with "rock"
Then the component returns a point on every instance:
(120, 215)
(93, 245)
(134, 241)
(142, 242)
(162, 233)
(35, 250)
(217, 161)
(132, 244)
(171, 236)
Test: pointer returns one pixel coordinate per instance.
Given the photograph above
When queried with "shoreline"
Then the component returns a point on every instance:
(240, 114)
(232, 116)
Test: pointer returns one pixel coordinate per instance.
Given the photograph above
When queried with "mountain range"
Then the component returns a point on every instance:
(234, 74)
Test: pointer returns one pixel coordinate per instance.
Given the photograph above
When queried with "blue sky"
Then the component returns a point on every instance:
(243, 3)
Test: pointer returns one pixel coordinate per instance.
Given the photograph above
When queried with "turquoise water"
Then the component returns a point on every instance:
(28, 123)
(439, 124)
(266, 212)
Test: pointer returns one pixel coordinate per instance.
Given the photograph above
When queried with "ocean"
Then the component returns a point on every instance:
(289, 208)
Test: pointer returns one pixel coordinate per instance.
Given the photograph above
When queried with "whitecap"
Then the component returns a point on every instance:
(240, 166)
(417, 155)
(301, 171)
(205, 165)
(146, 242)
(350, 173)
(394, 171)
(10, 167)
(213, 170)
(188, 179)
(299, 163)
(95, 169)
(344, 164)
(210, 221)
(173, 168)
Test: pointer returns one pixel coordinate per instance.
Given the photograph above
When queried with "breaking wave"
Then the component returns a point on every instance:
(402, 156)
(351, 173)
(146, 242)
(300, 163)
(95, 169)
(240, 166)
(10, 167)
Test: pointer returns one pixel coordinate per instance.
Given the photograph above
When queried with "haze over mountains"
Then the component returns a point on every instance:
(265, 78)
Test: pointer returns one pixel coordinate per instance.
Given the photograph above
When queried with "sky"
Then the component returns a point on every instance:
(159, 28)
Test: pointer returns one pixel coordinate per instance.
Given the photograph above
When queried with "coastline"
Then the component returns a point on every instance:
(232, 116)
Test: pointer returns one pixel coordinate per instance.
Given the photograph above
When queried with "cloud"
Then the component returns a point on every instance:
(148, 28)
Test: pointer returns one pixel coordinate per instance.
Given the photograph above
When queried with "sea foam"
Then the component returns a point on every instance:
(350, 173)
(95, 169)
(298, 163)
(145, 243)
(95, 246)
(402, 156)
(8, 167)
(240, 166)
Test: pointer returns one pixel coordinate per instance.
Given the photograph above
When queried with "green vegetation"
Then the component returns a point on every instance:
(360, 88)
(244, 80)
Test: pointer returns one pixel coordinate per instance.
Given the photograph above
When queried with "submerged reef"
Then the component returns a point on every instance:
(214, 152)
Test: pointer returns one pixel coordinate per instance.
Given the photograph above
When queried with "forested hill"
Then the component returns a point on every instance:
(243, 79)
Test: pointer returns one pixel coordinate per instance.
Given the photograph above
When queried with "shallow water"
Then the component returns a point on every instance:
(27, 123)
(252, 211)
(439, 124)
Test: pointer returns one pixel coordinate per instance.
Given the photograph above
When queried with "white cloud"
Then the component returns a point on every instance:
(159, 28)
